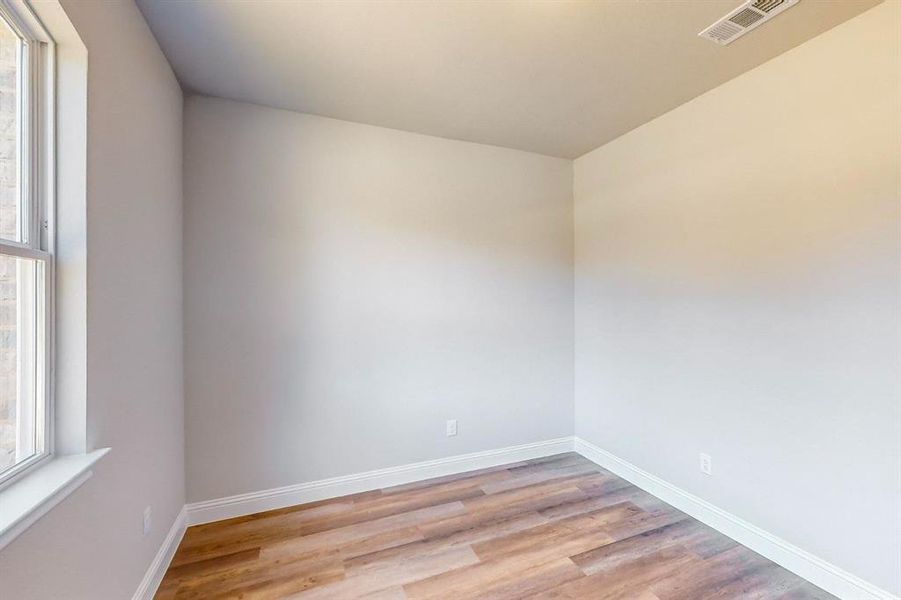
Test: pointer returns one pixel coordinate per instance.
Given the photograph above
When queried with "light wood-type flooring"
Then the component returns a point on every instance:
(556, 527)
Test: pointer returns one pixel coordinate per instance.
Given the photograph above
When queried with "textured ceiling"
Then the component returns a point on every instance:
(559, 78)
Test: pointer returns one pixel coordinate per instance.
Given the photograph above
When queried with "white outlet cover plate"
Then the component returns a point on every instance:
(706, 463)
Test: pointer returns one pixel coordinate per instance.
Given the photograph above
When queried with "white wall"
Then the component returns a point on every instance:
(738, 293)
(349, 288)
(91, 546)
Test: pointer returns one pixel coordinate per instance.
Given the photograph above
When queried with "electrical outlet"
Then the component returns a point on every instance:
(451, 427)
(147, 520)
(706, 464)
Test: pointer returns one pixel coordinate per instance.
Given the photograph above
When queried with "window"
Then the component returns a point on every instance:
(26, 260)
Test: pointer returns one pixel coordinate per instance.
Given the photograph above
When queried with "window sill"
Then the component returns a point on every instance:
(28, 499)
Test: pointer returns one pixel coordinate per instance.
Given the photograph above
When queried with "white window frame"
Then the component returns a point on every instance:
(36, 177)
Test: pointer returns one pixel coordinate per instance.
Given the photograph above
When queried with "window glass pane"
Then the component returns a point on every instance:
(10, 198)
(21, 352)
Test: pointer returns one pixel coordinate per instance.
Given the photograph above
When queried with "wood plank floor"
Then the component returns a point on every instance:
(556, 527)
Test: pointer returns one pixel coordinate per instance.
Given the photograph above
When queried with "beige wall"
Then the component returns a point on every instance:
(349, 288)
(737, 293)
(91, 546)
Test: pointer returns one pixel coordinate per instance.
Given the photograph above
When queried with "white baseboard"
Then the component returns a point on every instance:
(154, 575)
(816, 570)
(254, 502)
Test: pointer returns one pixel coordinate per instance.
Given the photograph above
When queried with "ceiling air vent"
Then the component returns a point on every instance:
(743, 19)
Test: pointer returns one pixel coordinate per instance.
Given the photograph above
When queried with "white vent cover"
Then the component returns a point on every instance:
(745, 18)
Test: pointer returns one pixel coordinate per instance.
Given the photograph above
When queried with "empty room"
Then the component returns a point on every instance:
(450, 299)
